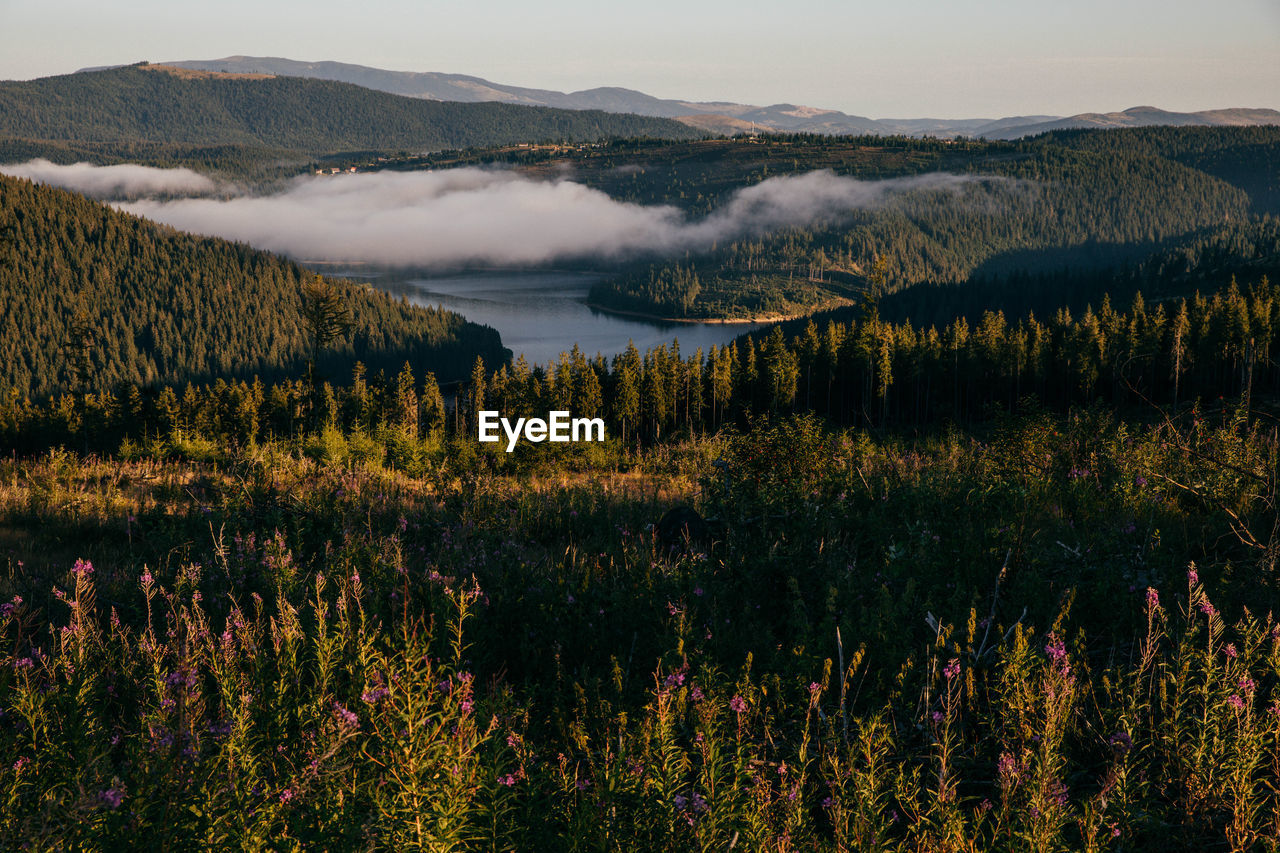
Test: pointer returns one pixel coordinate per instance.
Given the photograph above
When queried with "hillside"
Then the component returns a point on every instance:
(151, 305)
(1144, 116)
(715, 117)
(136, 104)
(1042, 206)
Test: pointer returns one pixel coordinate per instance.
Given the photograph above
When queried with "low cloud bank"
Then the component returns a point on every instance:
(125, 181)
(462, 216)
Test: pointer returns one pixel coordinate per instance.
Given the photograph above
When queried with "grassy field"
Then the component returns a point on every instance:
(1052, 634)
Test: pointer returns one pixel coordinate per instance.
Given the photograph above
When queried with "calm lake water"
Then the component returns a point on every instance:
(542, 314)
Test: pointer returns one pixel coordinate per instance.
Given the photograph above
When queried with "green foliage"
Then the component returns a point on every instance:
(97, 298)
(1077, 204)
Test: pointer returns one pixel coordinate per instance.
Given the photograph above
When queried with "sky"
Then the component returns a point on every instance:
(895, 59)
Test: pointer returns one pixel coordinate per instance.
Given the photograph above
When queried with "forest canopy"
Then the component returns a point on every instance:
(145, 304)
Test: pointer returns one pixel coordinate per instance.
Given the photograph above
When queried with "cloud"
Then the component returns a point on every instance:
(465, 216)
(126, 181)
(813, 198)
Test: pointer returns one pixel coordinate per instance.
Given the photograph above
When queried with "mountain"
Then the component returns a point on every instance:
(144, 304)
(1144, 116)
(434, 86)
(715, 117)
(315, 117)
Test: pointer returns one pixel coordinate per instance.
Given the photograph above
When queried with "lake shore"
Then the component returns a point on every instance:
(759, 319)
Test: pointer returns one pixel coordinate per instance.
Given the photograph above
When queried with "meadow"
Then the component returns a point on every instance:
(1043, 632)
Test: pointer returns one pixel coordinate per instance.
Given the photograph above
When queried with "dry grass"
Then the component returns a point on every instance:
(195, 74)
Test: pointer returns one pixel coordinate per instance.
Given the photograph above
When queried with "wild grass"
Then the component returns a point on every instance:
(1054, 636)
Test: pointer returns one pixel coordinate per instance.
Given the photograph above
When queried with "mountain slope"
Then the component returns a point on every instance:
(1143, 116)
(126, 105)
(167, 307)
(437, 86)
(714, 116)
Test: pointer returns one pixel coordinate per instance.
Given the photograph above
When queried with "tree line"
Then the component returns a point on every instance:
(868, 372)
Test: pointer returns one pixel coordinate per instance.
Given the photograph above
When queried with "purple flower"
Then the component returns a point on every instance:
(146, 577)
(82, 567)
(814, 687)
(738, 704)
(1235, 702)
(21, 763)
(828, 802)
(583, 784)
(1248, 685)
(1207, 608)
(509, 780)
(374, 696)
(952, 669)
(286, 795)
(696, 693)
(699, 804)
(1153, 598)
(1056, 649)
(1008, 770)
(1230, 650)
(1121, 742)
(112, 798)
(1193, 577)
(180, 678)
(681, 801)
(345, 716)
(937, 716)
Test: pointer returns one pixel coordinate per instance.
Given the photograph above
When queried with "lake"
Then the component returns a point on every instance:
(542, 314)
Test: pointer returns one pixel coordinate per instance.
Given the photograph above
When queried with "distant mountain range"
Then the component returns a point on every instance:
(142, 103)
(717, 117)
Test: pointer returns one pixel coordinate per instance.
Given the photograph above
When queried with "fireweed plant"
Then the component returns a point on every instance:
(1053, 635)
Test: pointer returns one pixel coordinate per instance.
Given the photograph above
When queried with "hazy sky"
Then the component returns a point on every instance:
(909, 58)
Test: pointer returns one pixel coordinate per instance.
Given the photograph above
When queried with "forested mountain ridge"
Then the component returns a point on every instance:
(1079, 202)
(136, 104)
(714, 116)
(146, 304)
